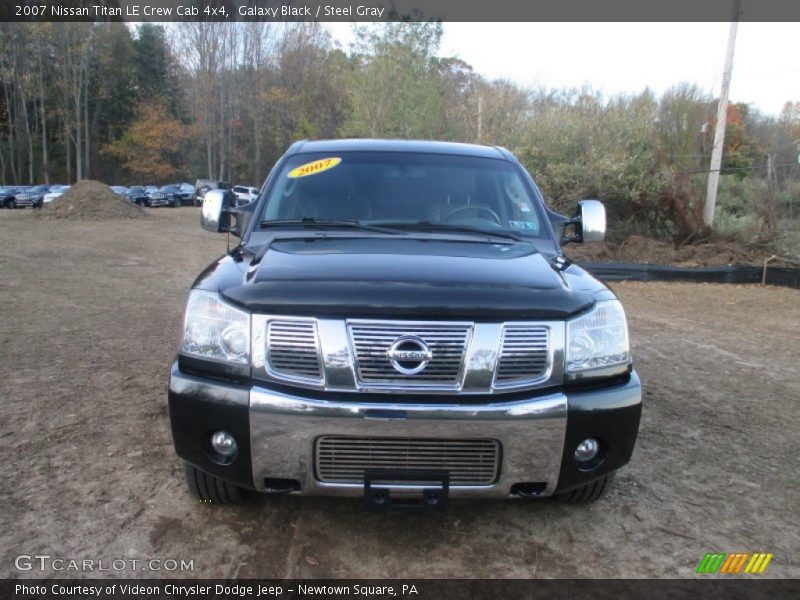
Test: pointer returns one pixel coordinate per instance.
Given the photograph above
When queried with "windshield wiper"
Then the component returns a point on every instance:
(448, 228)
(314, 222)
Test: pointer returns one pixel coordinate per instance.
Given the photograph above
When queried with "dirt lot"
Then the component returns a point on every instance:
(90, 322)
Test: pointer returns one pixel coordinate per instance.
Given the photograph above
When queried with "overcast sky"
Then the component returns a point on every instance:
(627, 57)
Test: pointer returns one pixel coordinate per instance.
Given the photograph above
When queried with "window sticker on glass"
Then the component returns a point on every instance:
(314, 167)
(532, 226)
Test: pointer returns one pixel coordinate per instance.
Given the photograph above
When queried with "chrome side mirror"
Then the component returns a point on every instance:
(214, 216)
(591, 221)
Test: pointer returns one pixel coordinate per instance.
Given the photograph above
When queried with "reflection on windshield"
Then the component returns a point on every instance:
(406, 189)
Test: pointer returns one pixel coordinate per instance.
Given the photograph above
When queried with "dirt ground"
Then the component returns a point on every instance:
(90, 320)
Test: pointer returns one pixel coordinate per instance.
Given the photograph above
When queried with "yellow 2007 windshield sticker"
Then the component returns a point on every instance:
(312, 168)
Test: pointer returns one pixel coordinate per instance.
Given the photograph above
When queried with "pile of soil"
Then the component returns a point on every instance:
(642, 250)
(91, 201)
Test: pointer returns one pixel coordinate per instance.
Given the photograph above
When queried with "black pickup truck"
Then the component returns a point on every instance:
(398, 322)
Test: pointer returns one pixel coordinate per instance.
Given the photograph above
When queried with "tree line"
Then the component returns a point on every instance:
(223, 101)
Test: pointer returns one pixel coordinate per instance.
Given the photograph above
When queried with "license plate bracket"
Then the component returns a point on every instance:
(378, 482)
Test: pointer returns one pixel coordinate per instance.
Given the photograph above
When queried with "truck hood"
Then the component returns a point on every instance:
(397, 277)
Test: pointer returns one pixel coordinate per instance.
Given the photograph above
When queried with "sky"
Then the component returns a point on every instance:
(627, 57)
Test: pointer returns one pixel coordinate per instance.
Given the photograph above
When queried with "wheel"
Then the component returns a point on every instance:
(11, 204)
(587, 493)
(210, 489)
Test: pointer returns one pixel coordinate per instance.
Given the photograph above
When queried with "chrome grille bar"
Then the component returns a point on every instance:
(524, 353)
(372, 339)
(293, 349)
(343, 459)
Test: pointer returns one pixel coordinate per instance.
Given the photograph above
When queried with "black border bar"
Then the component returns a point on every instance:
(394, 10)
(727, 587)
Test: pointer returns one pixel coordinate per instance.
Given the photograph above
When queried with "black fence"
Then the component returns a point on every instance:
(788, 277)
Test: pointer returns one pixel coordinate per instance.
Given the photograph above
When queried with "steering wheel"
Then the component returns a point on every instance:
(477, 208)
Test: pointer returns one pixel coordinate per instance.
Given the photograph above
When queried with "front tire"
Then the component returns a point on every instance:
(211, 490)
(586, 494)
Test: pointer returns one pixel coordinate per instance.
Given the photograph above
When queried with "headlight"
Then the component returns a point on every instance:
(598, 341)
(215, 329)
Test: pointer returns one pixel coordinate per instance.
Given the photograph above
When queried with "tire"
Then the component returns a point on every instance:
(211, 490)
(11, 204)
(588, 493)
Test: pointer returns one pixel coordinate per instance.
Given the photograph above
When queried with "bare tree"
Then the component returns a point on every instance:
(74, 43)
(201, 48)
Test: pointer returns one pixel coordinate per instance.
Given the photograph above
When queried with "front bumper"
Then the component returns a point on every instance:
(276, 432)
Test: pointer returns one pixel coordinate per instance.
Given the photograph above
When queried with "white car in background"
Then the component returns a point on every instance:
(244, 194)
(56, 191)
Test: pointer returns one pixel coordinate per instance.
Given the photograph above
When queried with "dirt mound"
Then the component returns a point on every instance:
(643, 250)
(91, 201)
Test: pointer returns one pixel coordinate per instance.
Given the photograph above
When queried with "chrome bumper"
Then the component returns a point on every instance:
(284, 428)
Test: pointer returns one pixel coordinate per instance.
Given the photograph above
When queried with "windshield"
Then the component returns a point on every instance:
(168, 188)
(404, 189)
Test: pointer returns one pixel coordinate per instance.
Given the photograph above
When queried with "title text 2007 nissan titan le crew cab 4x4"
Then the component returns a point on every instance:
(398, 322)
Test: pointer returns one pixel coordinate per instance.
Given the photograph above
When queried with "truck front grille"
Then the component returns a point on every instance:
(372, 340)
(523, 354)
(343, 459)
(292, 349)
(431, 358)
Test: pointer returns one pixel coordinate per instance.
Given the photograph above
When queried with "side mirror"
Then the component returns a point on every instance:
(591, 221)
(215, 216)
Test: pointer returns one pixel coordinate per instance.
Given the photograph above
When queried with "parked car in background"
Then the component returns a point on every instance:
(175, 194)
(119, 189)
(162, 196)
(189, 194)
(56, 191)
(7, 196)
(137, 195)
(244, 194)
(32, 196)
(184, 194)
(204, 185)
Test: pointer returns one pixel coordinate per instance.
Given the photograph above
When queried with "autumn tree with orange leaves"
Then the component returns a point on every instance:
(150, 148)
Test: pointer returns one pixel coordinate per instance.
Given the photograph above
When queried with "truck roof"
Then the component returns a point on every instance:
(375, 145)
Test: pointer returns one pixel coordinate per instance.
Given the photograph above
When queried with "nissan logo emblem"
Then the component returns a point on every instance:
(409, 355)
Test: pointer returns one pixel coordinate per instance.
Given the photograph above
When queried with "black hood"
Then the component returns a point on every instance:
(396, 277)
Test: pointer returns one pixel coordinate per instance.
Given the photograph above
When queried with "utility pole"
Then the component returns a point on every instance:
(722, 113)
(480, 117)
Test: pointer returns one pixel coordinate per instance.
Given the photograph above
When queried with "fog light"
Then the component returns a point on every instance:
(587, 450)
(223, 443)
